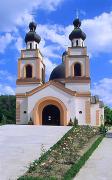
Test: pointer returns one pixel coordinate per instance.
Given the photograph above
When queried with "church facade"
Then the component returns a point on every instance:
(66, 95)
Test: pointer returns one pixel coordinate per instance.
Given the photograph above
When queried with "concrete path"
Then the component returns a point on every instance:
(99, 165)
(20, 145)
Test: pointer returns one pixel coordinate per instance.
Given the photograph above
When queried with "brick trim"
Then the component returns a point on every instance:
(17, 111)
(87, 112)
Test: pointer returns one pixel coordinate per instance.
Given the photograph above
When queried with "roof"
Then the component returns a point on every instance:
(56, 84)
(32, 35)
(58, 72)
(77, 33)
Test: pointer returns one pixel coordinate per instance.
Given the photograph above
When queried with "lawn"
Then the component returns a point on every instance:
(64, 155)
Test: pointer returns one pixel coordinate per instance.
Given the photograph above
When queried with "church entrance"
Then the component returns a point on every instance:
(51, 115)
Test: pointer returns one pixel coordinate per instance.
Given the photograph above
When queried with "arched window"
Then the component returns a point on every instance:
(30, 45)
(77, 69)
(36, 46)
(76, 42)
(28, 71)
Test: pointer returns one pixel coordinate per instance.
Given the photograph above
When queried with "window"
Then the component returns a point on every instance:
(76, 42)
(30, 45)
(77, 69)
(28, 71)
(80, 112)
(36, 46)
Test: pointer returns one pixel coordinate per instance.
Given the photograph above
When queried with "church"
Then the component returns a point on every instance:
(67, 94)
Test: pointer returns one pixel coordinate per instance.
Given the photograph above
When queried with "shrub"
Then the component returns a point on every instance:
(4, 120)
(103, 130)
(30, 122)
(75, 121)
(70, 122)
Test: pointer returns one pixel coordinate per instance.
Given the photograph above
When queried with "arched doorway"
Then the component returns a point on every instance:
(44, 102)
(51, 115)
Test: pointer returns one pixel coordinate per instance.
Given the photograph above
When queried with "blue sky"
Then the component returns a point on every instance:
(54, 19)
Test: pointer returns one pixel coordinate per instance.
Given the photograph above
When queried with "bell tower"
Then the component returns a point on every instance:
(31, 68)
(77, 70)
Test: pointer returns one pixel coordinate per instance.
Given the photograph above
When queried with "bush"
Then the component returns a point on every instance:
(103, 130)
(4, 120)
(30, 122)
(70, 122)
(75, 121)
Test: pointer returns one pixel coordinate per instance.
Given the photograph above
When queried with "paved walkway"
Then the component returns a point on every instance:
(99, 165)
(20, 145)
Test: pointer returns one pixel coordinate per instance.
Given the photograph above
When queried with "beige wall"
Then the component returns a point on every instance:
(23, 107)
(72, 103)
(25, 88)
(94, 114)
(79, 87)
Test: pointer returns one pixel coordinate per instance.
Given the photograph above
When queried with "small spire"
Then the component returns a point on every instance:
(77, 13)
(66, 46)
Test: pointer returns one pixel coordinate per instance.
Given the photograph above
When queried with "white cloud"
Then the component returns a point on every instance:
(19, 43)
(103, 88)
(99, 33)
(14, 13)
(6, 76)
(49, 67)
(6, 89)
(6, 79)
(110, 61)
(5, 40)
(54, 33)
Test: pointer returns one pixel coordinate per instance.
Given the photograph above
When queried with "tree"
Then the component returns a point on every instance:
(108, 115)
(8, 109)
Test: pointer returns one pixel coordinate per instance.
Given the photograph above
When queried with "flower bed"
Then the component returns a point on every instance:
(57, 162)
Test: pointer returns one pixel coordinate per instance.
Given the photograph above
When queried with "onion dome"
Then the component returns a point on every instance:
(32, 26)
(58, 72)
(77, 33)
(31, 35)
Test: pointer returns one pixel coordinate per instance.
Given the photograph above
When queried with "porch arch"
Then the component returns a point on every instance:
(37, 114)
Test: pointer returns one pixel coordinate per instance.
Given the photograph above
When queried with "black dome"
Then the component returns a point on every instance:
(31, 35)
(58, 72)
(77, 23)
(77, 32)
(32, 26)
